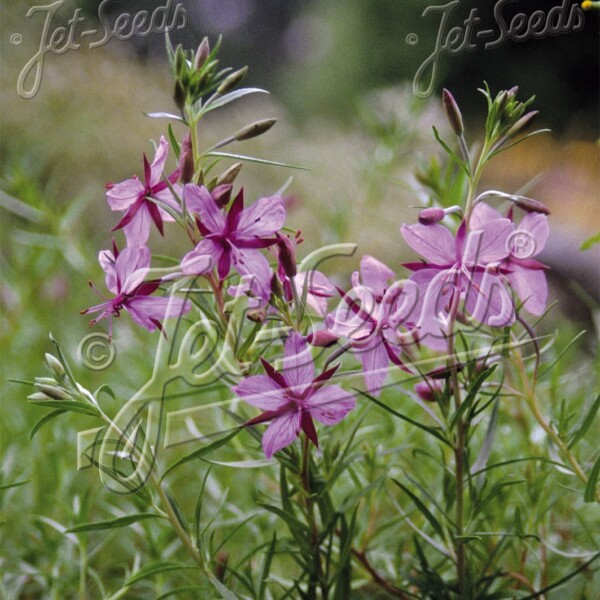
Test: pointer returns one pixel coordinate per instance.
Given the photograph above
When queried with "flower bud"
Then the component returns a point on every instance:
(180, 61)
(201, 54)
(428, 390)
(429, 216)
(452, 112)
(179, 95)
(230, 175)
(287, 255)
(186, 159)
(221, 194)
(322, 338)
(52, 391)
(522, 124)
(530, 205)
(258, 315)
(501, 102)
(55, 365)
(232, 81)
(254, 129)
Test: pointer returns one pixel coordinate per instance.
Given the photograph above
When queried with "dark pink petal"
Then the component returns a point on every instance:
(330, 404)
(158, 164)
(202, 258)
(434, 242)
(124, 194)
(483, 213)
(531, 287)
(262, 219)
(261, 391)
(281, 432)
(298, 367)
(375, 275)
(537, 225)
(489, 243)
(307, 425)
(198, 200)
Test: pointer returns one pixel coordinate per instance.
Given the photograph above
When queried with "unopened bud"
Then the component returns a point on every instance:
(186, 159)
(179, 95)
(232, 81)
(322, 338)
(52, 391)
(55, 365)
(37, 397)
(221, 194)
(254, 129)
(287, 255)
(230, 175)
(201, 54)
(179, 61)
(429, 216)
(452, 113)
(522, 124)
(258, 315)
(428, 390)
(502, 101)
(530, 205)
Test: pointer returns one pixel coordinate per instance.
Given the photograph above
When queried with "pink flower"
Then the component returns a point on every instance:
(125, 273)
(293, 398)
(467, 265)
(371, 320)
(132, 196)
(527, 240)
(235, 238)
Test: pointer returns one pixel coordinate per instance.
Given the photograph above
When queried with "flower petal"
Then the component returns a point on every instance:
(488, 301)
(434, 242)
(131, 267)
(146, 310)
(107, 261)
(124, 194)
(281, 432)
(298, 367)
(375, 275)
(531, 286)
(330, 404)
(253, 265)
(198, 199)
(137, 231)
(489, 243)
(374, 359)
(202, 258)
(261, 391)
(158, 164)
(537, 225)
(482, 213)
(262, 219)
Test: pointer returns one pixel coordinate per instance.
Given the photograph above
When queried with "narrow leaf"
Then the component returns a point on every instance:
(154, 568)
(114, 523)
(260, 161)
(7, 486)
(163, 115)
(586, 423)
(45, 420)
(230, 97)
(590, 488)
(422, 508)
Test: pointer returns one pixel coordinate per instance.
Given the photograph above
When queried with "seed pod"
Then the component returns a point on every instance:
(254, 129)
(232, 81)
(530, 205)
(452, 113)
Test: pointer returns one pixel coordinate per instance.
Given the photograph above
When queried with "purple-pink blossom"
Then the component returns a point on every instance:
(526, 240)
(371, 320)
(467, 265)
(125, 274)
(133, 197)
(292, 398)
(235, 238)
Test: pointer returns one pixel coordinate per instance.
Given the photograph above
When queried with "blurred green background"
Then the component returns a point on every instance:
(340, 76)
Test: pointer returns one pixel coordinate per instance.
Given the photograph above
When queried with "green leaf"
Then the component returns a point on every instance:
(590, 488)
(230, 97)
(182, 590)
(450, 152)
(154, 568)
(432, 431)
(225, 593)
(114, 523)
(200, 452)
(252, 159)
(45, 420)
(242, 464)
(7, 486)
(267, 568)
(562, 353)
(471, 396)
(163, 115)
(70, 405)
(586, 423)
(422, 509)
(174, 142)
(590, 242)
(297, 529)
(176, 509)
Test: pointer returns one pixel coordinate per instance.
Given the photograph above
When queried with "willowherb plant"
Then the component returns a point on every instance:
(242, 320)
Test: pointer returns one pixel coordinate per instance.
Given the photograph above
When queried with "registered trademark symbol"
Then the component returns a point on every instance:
(521, 244)
(412, 39)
